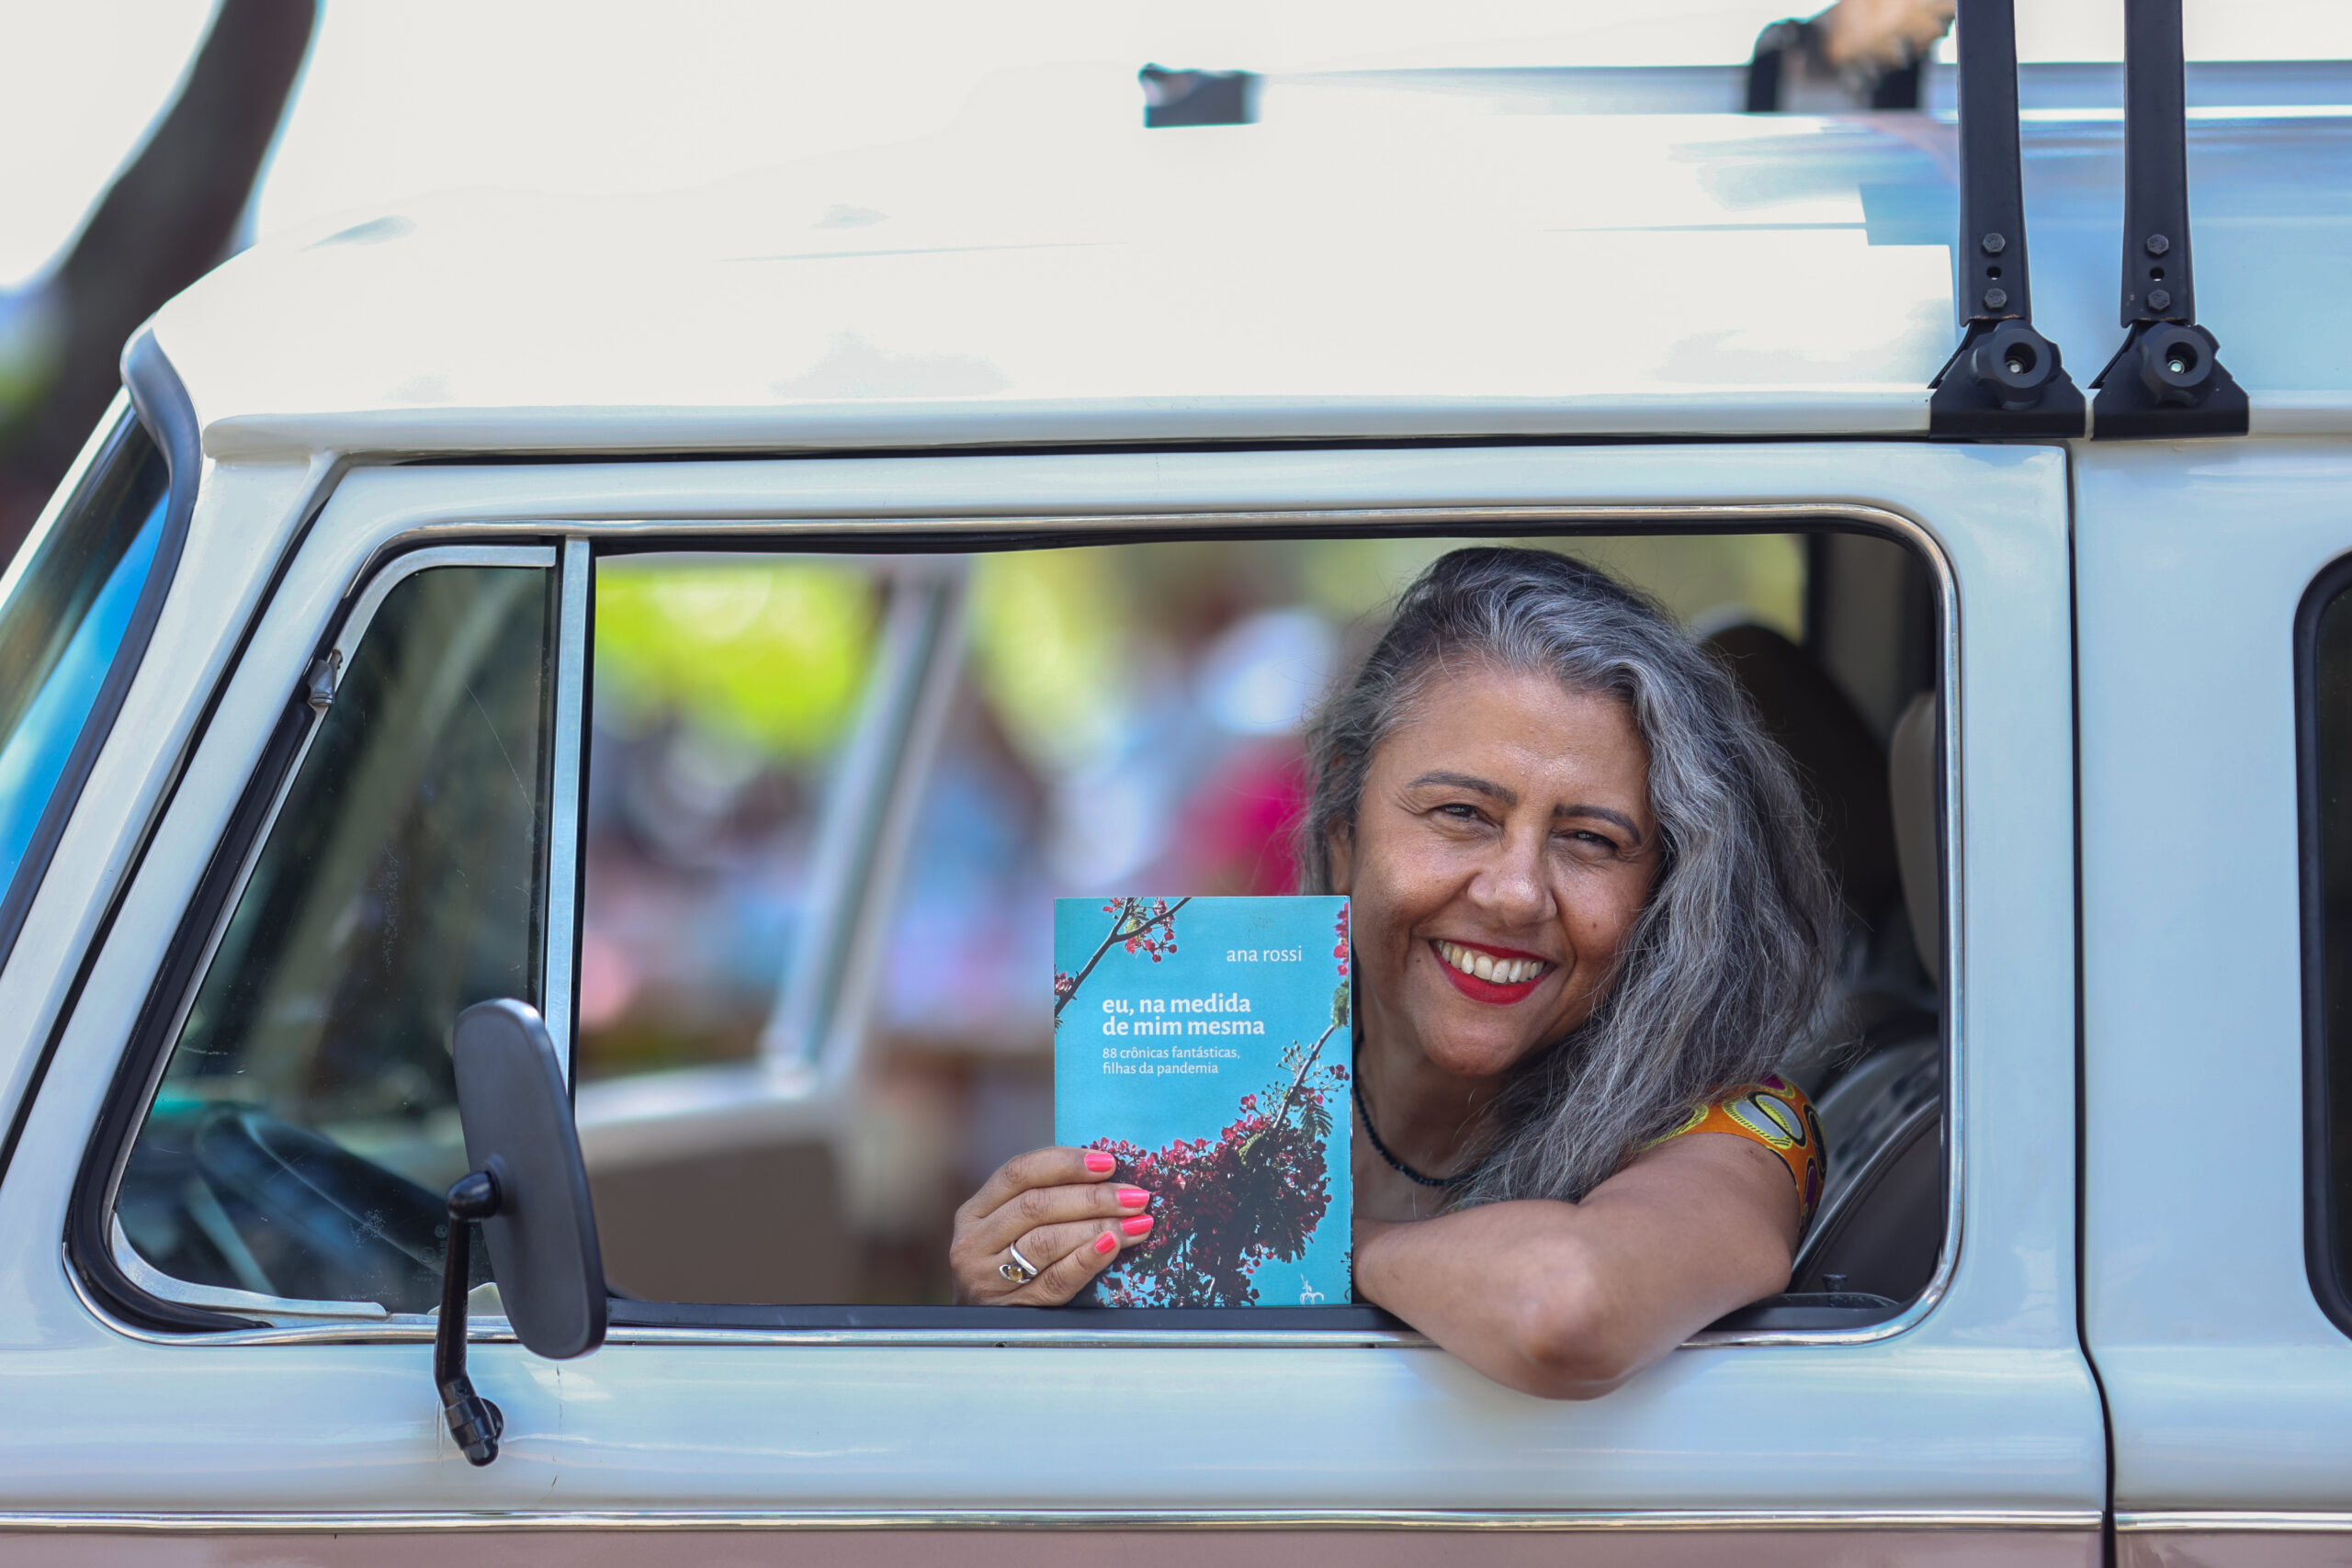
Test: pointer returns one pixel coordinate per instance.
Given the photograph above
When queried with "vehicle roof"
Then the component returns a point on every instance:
(1389, 275)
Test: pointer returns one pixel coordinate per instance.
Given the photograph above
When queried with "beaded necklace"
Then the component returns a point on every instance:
(1355, 1086)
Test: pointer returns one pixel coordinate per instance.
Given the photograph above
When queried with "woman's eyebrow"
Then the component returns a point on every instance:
(1475, 786)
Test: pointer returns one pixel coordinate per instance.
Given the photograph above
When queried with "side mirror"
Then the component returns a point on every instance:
(528, 1190)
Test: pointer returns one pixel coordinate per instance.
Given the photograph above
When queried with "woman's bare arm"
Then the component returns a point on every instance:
(1570, 1299)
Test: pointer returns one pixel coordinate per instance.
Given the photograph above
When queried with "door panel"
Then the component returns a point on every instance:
(2231, 1390)
(1975, 1413)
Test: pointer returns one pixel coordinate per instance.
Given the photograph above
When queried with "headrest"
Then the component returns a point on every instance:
(1838, 759)
(1911, 790)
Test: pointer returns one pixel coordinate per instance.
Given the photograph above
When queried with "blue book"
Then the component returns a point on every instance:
(1205, 1041)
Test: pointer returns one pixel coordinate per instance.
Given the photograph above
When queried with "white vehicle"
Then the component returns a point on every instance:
(296, 766)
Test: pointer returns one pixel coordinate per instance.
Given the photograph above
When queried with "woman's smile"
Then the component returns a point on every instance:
(1497, 975)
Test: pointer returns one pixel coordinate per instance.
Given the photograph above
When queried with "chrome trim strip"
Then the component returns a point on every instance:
(741, 533)
(355, 626)
(406, 1328)
(1041, 1339)
(220, 1298)
(2237, 1523)
(1077, 1519)
(569, 766)
(370, 598)
(738, 526)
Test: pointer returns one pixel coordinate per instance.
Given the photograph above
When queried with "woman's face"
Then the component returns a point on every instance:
(1502, 850)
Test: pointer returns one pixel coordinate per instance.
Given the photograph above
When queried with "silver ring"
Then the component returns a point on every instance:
(1020, 1270)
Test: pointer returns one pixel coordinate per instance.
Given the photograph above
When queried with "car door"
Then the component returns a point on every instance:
(2209, 579)
(1966, 1421)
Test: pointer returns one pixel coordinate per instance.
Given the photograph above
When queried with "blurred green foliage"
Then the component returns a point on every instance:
(1052, 636)
(770, 653)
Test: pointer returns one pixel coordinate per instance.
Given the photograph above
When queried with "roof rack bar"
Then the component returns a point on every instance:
(2005, 378)
(2173, 382)
(2155, 165)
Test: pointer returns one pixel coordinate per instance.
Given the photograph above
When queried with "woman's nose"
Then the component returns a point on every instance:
(1511, 887)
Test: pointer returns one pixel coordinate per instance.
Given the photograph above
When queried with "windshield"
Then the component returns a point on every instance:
(61, 622)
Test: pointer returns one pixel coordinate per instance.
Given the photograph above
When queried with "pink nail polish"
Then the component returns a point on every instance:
(1133, 1197)
(1100, 1164)
(1106, 1243)
(1137, 1226)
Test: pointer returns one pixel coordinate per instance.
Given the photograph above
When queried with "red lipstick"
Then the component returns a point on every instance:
(1479, 990)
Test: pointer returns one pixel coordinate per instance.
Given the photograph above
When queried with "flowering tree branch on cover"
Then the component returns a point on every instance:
(1133, 922)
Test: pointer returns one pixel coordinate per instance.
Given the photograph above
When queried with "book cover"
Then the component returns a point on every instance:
(1205, 1042)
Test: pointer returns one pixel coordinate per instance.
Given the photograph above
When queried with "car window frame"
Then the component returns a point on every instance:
(98, 1253)
(948, 533)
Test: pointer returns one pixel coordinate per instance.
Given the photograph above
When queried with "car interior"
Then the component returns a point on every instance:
(828, 801)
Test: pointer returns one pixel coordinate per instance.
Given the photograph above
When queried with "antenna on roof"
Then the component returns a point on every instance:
(2167, 378)
(2005, 378)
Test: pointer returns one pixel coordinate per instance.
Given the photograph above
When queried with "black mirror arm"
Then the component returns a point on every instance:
(2005, 378)
(474, 1422)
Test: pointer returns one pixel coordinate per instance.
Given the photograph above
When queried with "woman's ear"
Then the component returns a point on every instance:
(1341, 846)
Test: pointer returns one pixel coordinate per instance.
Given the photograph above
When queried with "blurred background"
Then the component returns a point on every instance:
(142, 141)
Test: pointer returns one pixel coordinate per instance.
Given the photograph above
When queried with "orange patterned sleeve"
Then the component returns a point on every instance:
(1775, 1114)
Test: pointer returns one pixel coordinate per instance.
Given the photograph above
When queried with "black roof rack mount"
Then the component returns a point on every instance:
(2005, 378)
(2167, 379)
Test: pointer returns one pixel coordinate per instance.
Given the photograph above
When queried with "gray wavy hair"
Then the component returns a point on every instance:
(1726, 970)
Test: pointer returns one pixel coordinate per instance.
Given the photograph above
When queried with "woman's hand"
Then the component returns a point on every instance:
(1061, 1209)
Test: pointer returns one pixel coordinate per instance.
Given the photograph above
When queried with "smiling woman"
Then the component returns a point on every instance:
(1589, 923)
(1588, 911)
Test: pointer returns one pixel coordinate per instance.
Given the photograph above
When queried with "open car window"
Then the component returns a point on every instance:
(1085, 722)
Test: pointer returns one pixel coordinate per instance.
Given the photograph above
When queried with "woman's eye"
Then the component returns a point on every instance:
(1584, 838)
